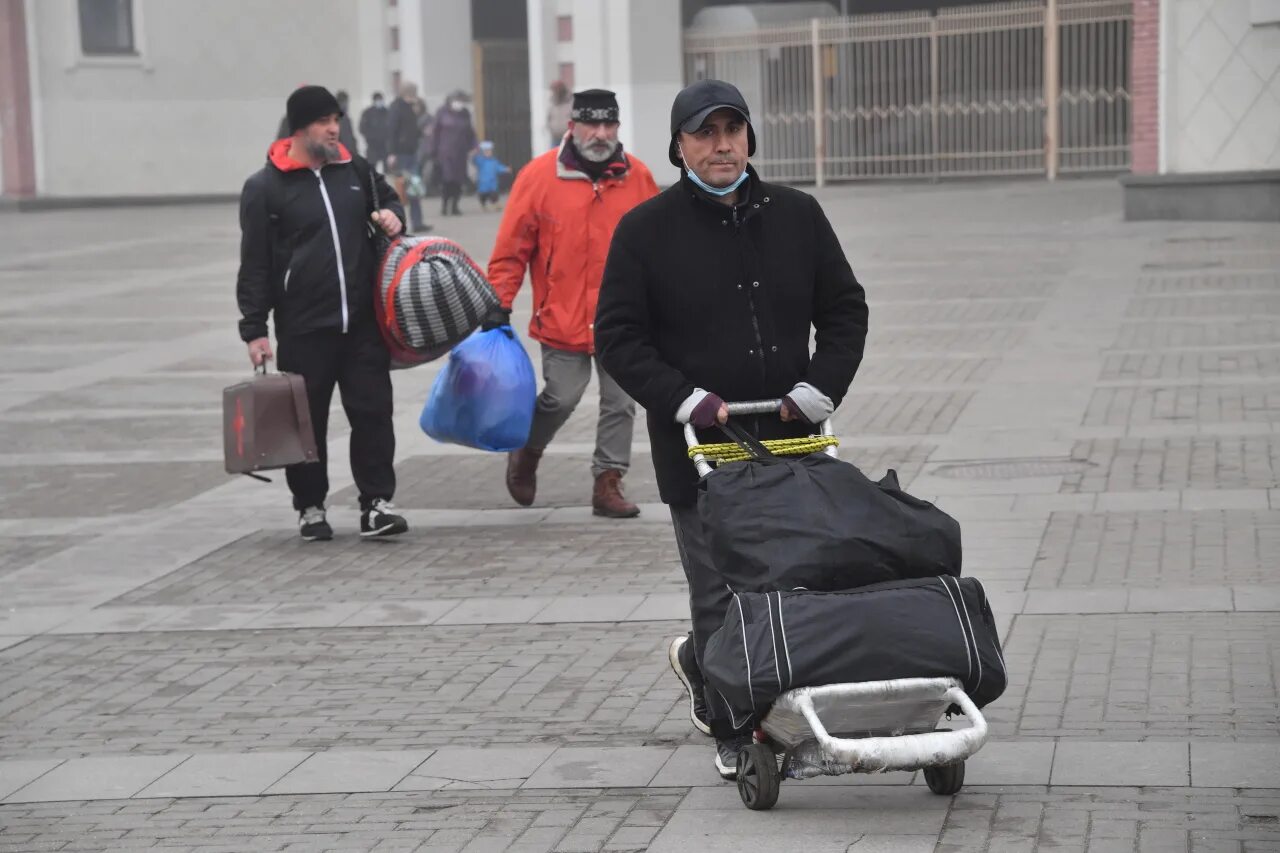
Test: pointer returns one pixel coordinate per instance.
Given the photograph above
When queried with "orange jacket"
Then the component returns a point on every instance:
(559, 224)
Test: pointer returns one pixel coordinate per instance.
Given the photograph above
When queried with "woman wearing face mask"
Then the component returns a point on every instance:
(453, 139)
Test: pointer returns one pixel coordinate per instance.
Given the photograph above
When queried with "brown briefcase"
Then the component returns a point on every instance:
(266, 423)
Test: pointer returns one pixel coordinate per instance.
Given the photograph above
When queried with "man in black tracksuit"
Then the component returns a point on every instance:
(306, 256)
(709, 294)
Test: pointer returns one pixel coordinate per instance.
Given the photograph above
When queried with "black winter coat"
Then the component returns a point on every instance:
(295, 225)
(698, 294)
(403, 130)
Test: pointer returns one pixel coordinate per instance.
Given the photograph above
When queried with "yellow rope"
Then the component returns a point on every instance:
(730, 452)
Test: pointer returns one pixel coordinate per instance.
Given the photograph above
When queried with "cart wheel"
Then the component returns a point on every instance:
(758, 777)
(945, 780)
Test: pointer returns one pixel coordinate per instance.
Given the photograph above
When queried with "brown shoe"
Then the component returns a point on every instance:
(522, 475)
(607, 499)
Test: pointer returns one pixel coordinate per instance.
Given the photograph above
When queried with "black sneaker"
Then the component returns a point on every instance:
(312, 525)
(680, 653)
(727, 750)
(379, 520)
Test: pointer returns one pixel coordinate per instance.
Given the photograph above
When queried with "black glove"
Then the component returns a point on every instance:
(497, 316)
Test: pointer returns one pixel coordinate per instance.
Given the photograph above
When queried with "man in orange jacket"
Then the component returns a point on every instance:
(558, 223)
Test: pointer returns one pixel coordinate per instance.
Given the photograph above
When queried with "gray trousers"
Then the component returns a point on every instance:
(709, 595)
(566, 375)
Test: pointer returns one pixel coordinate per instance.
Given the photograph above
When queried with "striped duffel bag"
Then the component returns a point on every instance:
(431, 296)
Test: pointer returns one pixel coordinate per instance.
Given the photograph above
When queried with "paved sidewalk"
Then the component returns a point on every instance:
(1098, 402)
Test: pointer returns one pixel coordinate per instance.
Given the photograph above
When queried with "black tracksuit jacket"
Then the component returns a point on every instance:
(305, 250)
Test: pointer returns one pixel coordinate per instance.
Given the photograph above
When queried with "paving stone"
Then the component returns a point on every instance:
(224, 775)
(550, 560)
(594, 608)
(79, 491)
(1010, 763)
(1120, 406)
(400, 613)
(1256, 598)
(342, 688)
(481, 611)
(1152, 763)
(1142, 464)
(598, 767)
(1192, 364)
(16, 774)
(1157, 549)
(1126, 677)
(396, 821)
(1235, 765)
(1186, 600)
(349, 771)
(461, 768)
(114, 777)
(18, 552)
(662, 606)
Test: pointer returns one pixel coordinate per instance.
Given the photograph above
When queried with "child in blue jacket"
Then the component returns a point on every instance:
(488, 169)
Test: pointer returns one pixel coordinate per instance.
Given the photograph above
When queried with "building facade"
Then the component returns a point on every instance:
(1206, 139)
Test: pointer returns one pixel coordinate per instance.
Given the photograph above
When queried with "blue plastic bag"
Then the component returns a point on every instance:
(483, 398)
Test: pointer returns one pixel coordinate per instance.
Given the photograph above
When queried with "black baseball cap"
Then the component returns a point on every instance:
(697, 101)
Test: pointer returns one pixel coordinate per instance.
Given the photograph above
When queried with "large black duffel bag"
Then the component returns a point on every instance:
(818, 523)
(925, 628)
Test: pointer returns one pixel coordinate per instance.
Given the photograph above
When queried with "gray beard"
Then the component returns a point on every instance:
(325, 153)
(597, 155)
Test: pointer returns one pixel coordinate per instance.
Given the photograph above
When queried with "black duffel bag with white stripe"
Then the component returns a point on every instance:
(936, 627)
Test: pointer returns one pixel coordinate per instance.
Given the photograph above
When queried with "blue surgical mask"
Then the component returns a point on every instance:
(716, 191)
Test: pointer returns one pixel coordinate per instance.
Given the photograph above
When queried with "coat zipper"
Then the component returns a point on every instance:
(337, 248)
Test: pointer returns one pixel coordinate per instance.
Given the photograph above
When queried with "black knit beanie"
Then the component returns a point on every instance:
(308, 104)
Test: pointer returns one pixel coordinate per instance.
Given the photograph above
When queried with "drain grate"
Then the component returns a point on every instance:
(1011, 469)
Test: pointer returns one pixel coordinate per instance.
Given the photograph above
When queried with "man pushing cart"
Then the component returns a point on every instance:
(710, 293)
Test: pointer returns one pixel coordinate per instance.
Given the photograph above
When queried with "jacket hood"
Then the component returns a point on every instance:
(278, 156)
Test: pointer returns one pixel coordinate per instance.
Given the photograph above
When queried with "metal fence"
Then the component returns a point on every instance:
(1027, 87)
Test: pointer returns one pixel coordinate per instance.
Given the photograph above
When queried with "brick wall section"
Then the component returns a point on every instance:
(1146, 87)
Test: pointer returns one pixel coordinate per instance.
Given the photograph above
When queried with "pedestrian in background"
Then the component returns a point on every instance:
(489, 171)
(403, 134)
(374, 128)
(346, 135)
(558, 112)
(306, 261)
(452, 138)
(557, 224)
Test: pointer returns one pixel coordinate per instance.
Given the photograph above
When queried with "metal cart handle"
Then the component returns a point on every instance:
(748, 407)
(903, 752)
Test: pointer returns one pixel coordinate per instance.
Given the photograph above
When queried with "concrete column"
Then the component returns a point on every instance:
(446, 62)
(17, 155)
(1147, 89)
(543, 61)
(412, 64)
(375, 47)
